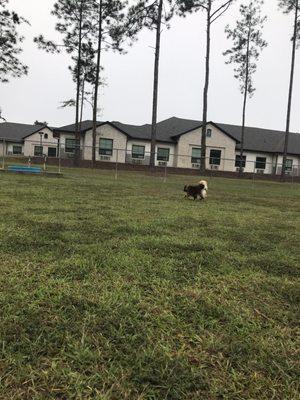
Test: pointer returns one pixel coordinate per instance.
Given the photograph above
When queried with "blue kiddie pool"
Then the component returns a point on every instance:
(24, 169)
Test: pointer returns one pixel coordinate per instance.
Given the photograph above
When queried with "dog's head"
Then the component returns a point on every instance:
(204, 183)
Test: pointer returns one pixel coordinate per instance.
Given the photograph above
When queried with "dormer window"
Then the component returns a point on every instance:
(208, 133)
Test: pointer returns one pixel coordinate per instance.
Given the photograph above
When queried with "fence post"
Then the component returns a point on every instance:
(116, 170)
(3, 153)
(253, 174)
(165, 176)
(59, 159)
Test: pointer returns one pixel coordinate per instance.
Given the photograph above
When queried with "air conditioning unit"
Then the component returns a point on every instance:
(9, 153)
(195, 165)
(162, 163)
(104, 158)
(214, 167)
(260, 171)
(238, 169)
(137, 161)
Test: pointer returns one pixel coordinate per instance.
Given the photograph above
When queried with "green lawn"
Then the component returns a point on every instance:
(125, 290)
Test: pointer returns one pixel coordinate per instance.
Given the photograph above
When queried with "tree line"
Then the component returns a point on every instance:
(90, 27)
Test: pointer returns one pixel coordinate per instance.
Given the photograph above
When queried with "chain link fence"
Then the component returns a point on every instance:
(59, 157)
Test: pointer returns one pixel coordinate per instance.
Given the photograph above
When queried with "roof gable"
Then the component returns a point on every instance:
(12, 131)
(183, 126)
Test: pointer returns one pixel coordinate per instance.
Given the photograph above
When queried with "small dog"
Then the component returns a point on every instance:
(196, 190)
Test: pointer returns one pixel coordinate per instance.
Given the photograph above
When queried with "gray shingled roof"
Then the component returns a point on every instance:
(12, 131)
(256, 139)
(143, 132)
(265, 140)
(139, 132)
(85, 126)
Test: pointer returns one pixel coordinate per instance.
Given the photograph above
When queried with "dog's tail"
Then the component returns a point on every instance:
(185, 188)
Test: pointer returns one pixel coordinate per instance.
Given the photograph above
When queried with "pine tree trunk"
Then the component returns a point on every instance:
(155, 85)
(288, 117)
(82, 103)
(97, 82)
(77, 132)
(205, 90)
(245, 101)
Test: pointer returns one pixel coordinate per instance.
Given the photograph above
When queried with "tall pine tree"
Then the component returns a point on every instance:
(290, 7)
(152, 14)
(75, 24)
(87, 78)
(213, 10)
(110, 32)
(247, 45)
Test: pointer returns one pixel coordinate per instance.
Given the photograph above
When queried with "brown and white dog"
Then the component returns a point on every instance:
(198, 190)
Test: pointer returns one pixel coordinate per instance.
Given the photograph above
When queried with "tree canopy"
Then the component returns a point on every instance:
(248, 42)
(10, 44)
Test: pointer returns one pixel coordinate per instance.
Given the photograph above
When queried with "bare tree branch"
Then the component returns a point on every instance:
(221, 13)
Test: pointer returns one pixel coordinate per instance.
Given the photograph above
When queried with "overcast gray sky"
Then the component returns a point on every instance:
(128, 94)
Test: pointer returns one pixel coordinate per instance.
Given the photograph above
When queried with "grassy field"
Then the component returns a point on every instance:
(116, 290)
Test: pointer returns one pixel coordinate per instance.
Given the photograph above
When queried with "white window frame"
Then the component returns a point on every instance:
(138, 158)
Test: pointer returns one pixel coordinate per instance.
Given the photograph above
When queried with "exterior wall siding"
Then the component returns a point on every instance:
(217, 141)
(147, 145)
(295, 167)
(35, 140)
(106, 132)
(9, 148)
(62, 145)
(251, 159)
(2, 149)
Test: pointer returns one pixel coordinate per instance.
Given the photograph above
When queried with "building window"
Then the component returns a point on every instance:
(163, 154)
(17, 150)
(260, 163)
(215, 157)
(70, 145)
(51, 151)
(289, 164)
(138, 151)
(38, 151)
(106, 147)
(208, 133)
(196, 155)
(46, 136)
(240, 162)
